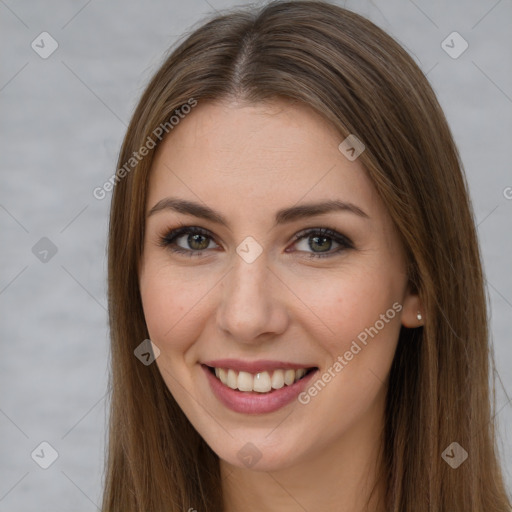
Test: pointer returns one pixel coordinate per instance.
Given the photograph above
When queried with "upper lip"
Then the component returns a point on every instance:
(259, 365)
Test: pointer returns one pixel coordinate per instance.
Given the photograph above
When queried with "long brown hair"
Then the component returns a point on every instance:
(363, 82)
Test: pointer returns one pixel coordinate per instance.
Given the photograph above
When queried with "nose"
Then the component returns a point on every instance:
(251, 308)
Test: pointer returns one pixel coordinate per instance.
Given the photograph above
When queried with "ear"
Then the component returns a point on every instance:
(412, 312)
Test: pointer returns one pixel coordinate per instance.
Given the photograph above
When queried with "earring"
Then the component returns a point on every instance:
(419, 317)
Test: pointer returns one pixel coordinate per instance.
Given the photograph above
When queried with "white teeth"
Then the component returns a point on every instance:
(278, 379)
(262, 382)
(289, 377)
(222, 375)
(300, 373)
(245, 381)
(232, 379)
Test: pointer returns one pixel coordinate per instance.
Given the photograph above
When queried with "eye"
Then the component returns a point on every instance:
(198, 239)
(195, 240)
(320, 240)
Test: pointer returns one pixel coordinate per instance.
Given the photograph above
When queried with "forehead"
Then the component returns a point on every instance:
(252, 157)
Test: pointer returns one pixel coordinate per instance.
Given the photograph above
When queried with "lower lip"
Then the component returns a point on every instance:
(253, 402)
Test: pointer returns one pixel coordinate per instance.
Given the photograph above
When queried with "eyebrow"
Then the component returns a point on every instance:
(286, 215)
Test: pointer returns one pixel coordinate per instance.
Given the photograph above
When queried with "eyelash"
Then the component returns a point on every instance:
(168, 240)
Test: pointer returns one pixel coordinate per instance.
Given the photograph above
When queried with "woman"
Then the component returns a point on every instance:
(291, 229)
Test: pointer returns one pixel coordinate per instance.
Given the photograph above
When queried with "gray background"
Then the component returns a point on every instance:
(62, 122)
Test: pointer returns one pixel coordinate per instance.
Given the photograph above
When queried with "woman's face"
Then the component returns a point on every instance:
(299, 325)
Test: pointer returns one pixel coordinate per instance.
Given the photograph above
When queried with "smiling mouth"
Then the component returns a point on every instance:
(261, 382)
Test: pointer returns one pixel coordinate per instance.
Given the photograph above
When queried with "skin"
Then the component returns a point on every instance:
(248, 161)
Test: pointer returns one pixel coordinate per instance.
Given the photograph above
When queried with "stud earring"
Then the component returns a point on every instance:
(419, 317)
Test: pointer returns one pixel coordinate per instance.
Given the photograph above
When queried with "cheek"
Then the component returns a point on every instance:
(169, 308)
(363, 315)
(347, 306)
